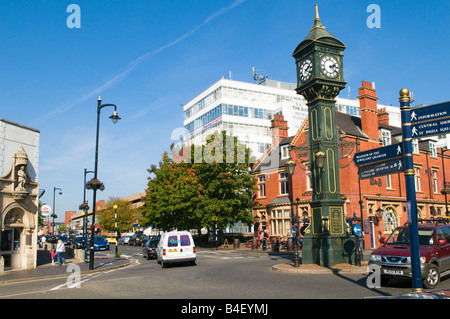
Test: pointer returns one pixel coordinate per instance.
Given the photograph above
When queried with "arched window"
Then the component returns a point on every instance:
(390, 221)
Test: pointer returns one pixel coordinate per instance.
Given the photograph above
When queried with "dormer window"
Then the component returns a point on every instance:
(386, 137)
(285, 152)
(433, 149)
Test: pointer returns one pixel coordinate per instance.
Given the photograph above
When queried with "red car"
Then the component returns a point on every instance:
(394, 256)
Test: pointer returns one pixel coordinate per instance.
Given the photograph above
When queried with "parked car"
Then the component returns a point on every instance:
(394, 256)
(100, 243)
(79, 242)
(176, 247)
(136, 239)
(111, 239)
(149, 250)
(123, 240)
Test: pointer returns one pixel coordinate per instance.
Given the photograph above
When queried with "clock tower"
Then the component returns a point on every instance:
(320, 77)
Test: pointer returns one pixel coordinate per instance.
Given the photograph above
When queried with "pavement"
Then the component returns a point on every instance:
(104, 262)
(45, 269)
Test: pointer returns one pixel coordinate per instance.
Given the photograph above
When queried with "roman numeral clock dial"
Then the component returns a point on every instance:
(329, 66)
(305, 70)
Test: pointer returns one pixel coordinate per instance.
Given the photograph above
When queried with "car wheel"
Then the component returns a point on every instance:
(432, 279)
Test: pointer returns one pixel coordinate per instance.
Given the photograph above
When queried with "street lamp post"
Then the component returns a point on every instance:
(114, 117)
(117, 229)
(295, 218)
(54, 210)
(85, 218)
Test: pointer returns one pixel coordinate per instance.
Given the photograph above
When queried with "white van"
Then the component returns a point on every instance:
(176, 247)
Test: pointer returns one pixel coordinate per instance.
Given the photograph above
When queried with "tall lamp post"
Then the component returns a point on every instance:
(85, 218)
(295, 218)
(114, 117)
(117, 229)
(54, 210)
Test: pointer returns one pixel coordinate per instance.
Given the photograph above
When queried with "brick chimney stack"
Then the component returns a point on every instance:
(383, 116)
(368, 107)
(279, 129)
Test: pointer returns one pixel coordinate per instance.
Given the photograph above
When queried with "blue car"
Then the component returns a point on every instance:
(100, 243)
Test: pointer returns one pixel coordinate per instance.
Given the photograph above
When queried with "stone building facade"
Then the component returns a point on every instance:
(19, 188)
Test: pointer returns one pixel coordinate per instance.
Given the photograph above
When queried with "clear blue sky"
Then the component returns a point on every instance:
(151, 56)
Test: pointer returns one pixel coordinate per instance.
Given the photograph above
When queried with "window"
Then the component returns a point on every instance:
(435, 182)
(417, 179)
(433, 149)
(390, 221)
(284, 190)
(415, 146)
(185, 240)
(262, 185)
(388, 182)
(308, 180)
(285, 152)
(280, 222)
(386, 137)
(172, 241)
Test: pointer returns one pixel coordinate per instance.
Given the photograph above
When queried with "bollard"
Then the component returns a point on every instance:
(254, 244)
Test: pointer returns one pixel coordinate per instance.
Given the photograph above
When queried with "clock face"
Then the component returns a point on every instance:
(305, 70)
(329, 66)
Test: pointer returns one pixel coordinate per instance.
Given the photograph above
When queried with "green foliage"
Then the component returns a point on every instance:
(201, 186)
(126, 215)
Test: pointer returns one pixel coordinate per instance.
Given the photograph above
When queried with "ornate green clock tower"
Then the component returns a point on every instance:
(320, 77)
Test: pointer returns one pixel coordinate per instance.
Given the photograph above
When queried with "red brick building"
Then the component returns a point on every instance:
(383, 199)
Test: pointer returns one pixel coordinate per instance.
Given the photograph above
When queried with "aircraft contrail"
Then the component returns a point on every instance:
(133, 64)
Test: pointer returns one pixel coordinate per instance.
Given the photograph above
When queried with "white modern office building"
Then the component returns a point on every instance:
(246, 109)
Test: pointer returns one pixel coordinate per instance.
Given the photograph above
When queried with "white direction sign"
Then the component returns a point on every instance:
(46, 210)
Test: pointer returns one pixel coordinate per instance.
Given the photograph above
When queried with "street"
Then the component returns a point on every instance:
(217, 275)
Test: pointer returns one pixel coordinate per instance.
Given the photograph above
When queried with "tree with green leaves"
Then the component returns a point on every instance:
(126, 215)
(201, 186)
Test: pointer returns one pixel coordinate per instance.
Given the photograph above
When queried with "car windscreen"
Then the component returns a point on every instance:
(99, 238)
(401, 236)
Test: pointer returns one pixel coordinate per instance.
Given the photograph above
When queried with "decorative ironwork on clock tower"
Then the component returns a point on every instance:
(320, 77)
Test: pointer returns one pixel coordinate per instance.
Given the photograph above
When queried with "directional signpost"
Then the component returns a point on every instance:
(416, 123)
(380, 161)
(430, 120)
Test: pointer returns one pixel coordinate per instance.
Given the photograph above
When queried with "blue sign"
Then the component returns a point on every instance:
(356, 228)
(380, 169)
(378, 154)
(437, 127)
(430, 112)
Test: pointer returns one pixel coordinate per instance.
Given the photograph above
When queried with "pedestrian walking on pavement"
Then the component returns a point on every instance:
(53, 255)
(60, 249)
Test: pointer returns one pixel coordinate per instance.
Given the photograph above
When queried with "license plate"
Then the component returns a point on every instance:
(393, 272)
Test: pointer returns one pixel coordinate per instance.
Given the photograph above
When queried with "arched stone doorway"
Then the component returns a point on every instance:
(12, 238)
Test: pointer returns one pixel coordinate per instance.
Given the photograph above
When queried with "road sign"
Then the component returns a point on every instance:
(45, 210)
(356, 228)
(430, 112)
(378, 154)
(430, 120)
(380, 169)
(437, 127)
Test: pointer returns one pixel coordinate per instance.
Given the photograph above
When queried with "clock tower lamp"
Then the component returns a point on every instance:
(320, 77)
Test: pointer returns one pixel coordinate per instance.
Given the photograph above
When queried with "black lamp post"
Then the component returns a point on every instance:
(85, 208)
(54, 210)
(290, 165)
(117, 230)
(114, 117)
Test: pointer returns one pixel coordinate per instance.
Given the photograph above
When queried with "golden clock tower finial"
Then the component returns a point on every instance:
(317, 24)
